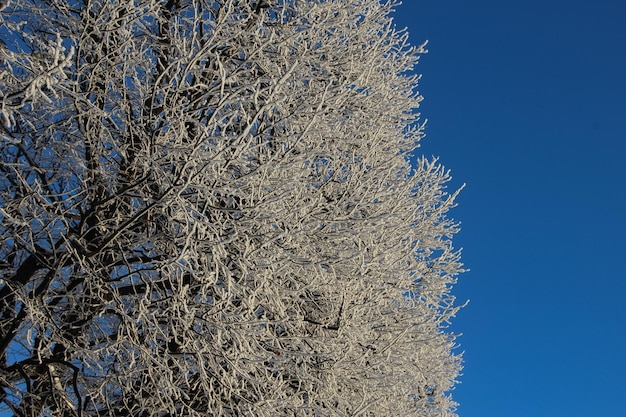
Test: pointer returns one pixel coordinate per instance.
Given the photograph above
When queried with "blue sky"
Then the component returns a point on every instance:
(526, 103)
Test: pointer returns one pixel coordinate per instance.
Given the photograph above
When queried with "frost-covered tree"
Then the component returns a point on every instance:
(207, 209)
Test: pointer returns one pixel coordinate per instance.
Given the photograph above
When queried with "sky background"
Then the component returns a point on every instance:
(526, 103)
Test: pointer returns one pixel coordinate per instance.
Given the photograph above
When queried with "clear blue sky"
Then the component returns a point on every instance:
(526, 102)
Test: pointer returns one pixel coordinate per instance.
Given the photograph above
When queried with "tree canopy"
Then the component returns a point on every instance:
(208, 208)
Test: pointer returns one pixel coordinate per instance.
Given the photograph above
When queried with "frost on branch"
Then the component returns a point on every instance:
(206, 208)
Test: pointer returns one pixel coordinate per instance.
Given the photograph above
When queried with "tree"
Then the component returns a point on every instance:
(207, 209)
